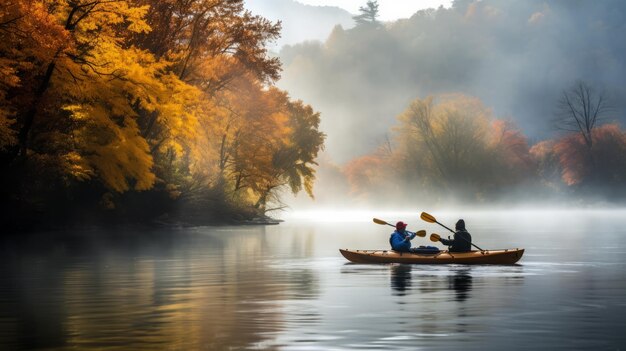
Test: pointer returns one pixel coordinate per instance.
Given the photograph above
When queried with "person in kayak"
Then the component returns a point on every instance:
(400, 239)
(462, 241)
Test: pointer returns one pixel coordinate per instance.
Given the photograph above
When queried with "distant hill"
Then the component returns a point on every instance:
(300, 22)
(516, 56)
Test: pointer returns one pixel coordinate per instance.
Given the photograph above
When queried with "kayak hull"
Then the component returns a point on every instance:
(506, 256)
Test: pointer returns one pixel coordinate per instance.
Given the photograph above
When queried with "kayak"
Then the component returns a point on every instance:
(506, 256)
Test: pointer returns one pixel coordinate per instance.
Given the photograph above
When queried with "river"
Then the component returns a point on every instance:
(286, 287)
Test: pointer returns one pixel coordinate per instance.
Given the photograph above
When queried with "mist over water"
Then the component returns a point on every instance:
(286, 287)
(517, 57)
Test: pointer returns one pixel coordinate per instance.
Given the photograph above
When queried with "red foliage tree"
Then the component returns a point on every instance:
(602, 165)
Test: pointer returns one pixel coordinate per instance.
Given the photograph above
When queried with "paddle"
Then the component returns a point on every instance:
(420, 233)
(435, 237)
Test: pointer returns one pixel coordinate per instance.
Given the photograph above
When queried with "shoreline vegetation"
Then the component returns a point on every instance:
(145, 111)
(166, 113)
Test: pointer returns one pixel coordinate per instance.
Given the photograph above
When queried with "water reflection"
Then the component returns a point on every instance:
(287, 288)
(459, 280)
(401, 278)
(461, 283)
(192, 290)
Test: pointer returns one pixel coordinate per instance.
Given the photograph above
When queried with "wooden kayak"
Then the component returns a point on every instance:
(506, 256)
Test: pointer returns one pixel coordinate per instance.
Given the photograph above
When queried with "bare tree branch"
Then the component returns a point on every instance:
(580, 109)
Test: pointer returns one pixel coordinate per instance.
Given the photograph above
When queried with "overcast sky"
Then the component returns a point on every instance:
(389, 9)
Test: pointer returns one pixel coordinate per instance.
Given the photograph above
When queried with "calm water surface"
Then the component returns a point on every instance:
(287, 287)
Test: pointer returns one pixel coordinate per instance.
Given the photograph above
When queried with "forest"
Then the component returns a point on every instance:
(450, 148)
(175, 112)
(481, 103)
(131, 111)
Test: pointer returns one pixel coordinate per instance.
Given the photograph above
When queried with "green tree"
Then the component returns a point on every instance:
(368, 14)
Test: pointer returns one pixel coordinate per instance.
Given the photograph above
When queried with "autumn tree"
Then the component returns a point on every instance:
(103, 100)
(375, 178)
(454, 144)
(211, 41)
(605, 169)
(210, 44)
(451, 134)
(75, 102)
(263, 142)
(30, 38)
(512, 153)
(219, 47)
(293, 161)
(547, 165)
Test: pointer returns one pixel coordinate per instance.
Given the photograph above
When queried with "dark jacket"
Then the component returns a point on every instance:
(461, 242)
(401, 241)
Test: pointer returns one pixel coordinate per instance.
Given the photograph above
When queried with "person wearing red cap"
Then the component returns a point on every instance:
(400, 239)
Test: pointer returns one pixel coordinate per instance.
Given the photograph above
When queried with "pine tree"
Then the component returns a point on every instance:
(368, 15)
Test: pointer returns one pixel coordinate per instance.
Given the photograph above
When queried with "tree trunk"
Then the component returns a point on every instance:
(29, 117)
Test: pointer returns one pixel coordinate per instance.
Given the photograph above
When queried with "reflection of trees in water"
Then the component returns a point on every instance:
(302, 245)
(28, 293)
(188, 290)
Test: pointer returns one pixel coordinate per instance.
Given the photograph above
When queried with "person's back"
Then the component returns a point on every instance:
(462, 241)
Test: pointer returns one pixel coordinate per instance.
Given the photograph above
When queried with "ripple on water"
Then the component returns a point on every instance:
(288, 288)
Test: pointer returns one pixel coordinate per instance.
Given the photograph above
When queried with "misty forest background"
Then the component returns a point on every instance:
(192, 111)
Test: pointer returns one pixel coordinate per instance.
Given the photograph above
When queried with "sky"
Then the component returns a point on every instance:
(389, 9)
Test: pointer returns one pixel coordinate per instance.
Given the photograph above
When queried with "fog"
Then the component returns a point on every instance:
(517, 58)
(300, 22)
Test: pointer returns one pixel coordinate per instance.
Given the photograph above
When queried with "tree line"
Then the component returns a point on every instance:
(135, 110)
(515, 56)
(450, 147)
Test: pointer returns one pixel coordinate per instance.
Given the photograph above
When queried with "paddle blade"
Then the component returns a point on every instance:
(421, 233)
(435, 237)
(427, 217)
(380, 221)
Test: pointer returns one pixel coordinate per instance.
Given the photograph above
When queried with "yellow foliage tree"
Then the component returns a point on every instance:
(98, 82)
(262, 141)
(131, 94)
(453, 142)
(447, 136)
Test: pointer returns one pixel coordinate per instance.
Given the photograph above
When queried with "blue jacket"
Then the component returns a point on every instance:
(401, 241)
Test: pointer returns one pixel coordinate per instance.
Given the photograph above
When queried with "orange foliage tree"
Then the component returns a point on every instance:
(72, 102)
(602, 166)
(453, 142)
(129, 94)
(368, 177)
(446, 146)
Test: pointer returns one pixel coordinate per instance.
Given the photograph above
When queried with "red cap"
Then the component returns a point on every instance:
(401, 225)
